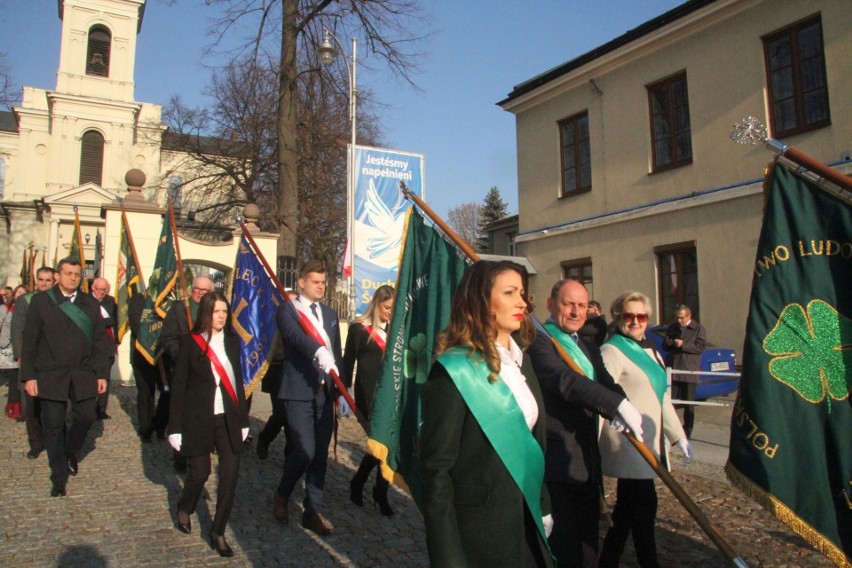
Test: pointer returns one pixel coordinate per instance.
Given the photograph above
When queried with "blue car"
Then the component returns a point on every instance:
(713, 359)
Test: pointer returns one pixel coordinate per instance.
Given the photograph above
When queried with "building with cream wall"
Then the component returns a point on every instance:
(42, 140)
(685, 233)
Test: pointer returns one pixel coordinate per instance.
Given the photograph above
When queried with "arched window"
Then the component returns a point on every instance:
(97, 54)
(175, 194)
(92, 158)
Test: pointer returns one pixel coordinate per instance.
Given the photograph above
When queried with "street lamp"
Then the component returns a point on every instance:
(327, 53)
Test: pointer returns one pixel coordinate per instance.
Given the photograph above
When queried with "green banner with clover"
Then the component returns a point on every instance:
(429, 271)
(791, 429)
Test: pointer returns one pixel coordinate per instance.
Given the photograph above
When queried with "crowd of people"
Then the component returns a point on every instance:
(520, 421)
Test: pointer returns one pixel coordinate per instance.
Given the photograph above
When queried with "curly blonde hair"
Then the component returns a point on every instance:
(472, 324)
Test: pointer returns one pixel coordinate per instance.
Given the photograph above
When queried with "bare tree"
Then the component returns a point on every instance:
(290, 29)
(464, 220)
(8, 93)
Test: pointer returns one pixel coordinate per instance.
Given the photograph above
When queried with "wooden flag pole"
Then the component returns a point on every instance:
(712, 532)
(305, 325)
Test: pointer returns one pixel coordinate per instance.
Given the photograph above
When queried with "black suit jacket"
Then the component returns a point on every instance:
(193, 389)
(300, 379)
(572, 402)
(473, 509)
(57, 354)
(111, 321)
(175, 325)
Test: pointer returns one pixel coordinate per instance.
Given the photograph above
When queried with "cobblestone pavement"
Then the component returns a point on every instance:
(119, 511)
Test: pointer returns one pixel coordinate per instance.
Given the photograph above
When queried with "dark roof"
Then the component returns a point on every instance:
(508, 220)
(648, 27)
(7, 121)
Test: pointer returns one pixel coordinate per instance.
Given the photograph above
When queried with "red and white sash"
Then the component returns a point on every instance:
(225, 379)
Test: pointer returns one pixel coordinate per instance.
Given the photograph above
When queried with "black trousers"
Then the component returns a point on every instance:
(576, 511)
(32, 419)
(635, 512)
(150, 417)
(685, 391)
(199, 472)
(61, 442)
(11, 376)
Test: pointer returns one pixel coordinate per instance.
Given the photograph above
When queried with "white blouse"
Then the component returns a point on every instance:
(217, 345)
(510, 372)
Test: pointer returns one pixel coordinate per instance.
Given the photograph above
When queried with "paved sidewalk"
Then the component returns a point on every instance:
(119, 511)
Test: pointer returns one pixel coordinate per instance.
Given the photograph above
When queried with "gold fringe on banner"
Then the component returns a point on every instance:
(380, 452)
(787, 516)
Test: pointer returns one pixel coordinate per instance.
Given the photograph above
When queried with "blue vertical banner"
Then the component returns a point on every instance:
(379, 217)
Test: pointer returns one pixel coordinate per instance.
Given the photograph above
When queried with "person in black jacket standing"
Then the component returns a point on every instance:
(209, 412)
(573, 399)
(365, 345)
(65, 355)
(100, 292)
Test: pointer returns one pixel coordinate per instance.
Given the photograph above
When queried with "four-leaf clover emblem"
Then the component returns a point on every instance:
(812, 351)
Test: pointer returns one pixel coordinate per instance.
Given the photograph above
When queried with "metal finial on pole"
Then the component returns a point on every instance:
(751, 131)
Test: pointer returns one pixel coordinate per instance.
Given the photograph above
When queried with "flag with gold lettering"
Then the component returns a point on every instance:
(254, 303)
(791, 428)
(430, 269)
(162, 291)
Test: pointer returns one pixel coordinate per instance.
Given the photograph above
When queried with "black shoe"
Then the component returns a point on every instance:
(58, 489)
(33, 454)
(380, 498)
(220, 545)
(184, 521)
(262, 448)
(72, 465)
(356, 491)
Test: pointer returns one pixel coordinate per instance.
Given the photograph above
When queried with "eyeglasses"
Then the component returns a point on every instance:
(205, 290)
(639, 318)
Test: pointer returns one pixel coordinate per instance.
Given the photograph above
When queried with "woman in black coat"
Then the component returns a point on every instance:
(484, 430)
(208, 411)
(365, 345)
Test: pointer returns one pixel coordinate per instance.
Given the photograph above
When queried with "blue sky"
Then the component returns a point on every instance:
(479, 51)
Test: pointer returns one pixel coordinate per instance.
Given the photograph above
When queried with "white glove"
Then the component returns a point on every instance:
(547, 521)
(686, 448)
(325, 360)
(628, 418)
(175, 440)
(343, 406)
(245, 432)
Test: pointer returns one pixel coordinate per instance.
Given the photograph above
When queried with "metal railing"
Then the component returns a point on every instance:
(724, 377)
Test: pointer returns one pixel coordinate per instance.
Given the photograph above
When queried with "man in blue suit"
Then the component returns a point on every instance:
(307, 395)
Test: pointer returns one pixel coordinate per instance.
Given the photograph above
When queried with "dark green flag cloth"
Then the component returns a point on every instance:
(128, 278)
(161, 293)
(791, 430)
(429, 272)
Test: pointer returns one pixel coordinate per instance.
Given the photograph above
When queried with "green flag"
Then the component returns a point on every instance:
(429, 273)
(129, 280)
(791, 430)
(161, 293)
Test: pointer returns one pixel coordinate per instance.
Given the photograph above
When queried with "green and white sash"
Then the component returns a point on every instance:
(495, 409)
(646, 363)
(571, 347)
(77, 315)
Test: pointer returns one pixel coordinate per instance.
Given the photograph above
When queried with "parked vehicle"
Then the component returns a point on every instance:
(714, 359)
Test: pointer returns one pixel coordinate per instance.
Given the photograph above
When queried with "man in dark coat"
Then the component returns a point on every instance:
(686, 340)
(574, 397)
(65, 355)
(45, 280)
(100, 292)
(307, 395)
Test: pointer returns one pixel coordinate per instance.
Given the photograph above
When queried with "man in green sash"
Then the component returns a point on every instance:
(574, 396)
(65, 356)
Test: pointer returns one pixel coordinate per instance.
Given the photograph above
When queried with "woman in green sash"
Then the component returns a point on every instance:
(638, 368)
(483, 433)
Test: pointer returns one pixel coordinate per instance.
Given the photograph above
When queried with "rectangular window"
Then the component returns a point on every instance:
(796, 80)
(580, 269)
(671, 135)
(678, 269)
(576, 154)
(510, 242)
